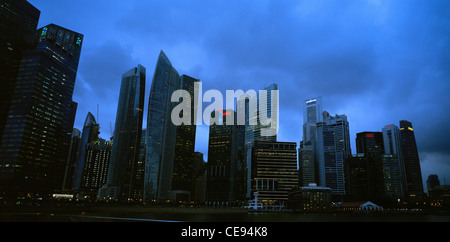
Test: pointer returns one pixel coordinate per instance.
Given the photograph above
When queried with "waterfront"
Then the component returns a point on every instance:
(117, 214)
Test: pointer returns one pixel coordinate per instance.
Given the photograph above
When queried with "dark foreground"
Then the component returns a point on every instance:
(115, 214)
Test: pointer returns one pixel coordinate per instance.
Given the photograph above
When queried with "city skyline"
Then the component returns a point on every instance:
(375, 79)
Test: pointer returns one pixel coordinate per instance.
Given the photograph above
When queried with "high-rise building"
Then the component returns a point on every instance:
(307, 163)
(253, 125)
(90, 133)
(121, 184)
(274, 171)
(72, 158)
(183, 174)
(393, 167)
(413, 174)
(18, 23)
(95, 168)
(371, 145)
(222, 159)
(161, 132)
(307, 152)
(333, 147)
(312, 114)
(36, 137)
(169, 166)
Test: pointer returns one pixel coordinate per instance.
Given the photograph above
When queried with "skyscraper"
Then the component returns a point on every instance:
(160, 131)
(122, 173)
(18, 23)
(413, 174)
(307, 152)
(95, 168)
(183, 174)
(275, 171)
(393, 166)
(358, 185)
(253, 126)
(72, 158)
(312, 114)
(90, 133)
(333, 147)
(37, 132)
(371, 145)
(222, 158)
(169, 169)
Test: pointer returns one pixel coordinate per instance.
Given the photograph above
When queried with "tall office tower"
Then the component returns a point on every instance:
(90, 133)
(307, 163)
(161, 132)
(333, 147)
(222, 159)
(121, 184)
(72, 158)
(393, 167)
(18, 23)
(183, 173)
(275, 171)
(95, 169)
(393, 184)
(307, 159)
(312, 114)
(371, 145)
(37, 132)
(357, 178)
(253, 126)
(413, 174)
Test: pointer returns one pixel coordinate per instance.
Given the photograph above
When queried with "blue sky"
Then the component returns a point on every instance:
(377, 61)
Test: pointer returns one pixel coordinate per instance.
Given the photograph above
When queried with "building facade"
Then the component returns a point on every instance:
(37, 132)
(222, 159)
(333, 147)
(307, 152)
(413, 174)
(160, 131)
(274, 171)
(123, 167)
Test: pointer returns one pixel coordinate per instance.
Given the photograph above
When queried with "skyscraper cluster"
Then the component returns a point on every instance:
(42, 154)
(385, 167)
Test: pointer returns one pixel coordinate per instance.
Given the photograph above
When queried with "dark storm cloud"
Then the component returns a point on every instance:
(98, 82)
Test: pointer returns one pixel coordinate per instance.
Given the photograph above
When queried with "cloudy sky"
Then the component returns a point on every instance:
(377, 61)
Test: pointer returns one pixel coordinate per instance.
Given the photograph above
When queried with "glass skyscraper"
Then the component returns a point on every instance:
(307, 152)
(123, 168)
(169, 169)
(36, 137)
(393, 167)
(160, 130)
(18, 23)
(333, 147)
(90, 133)
(413, 174)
